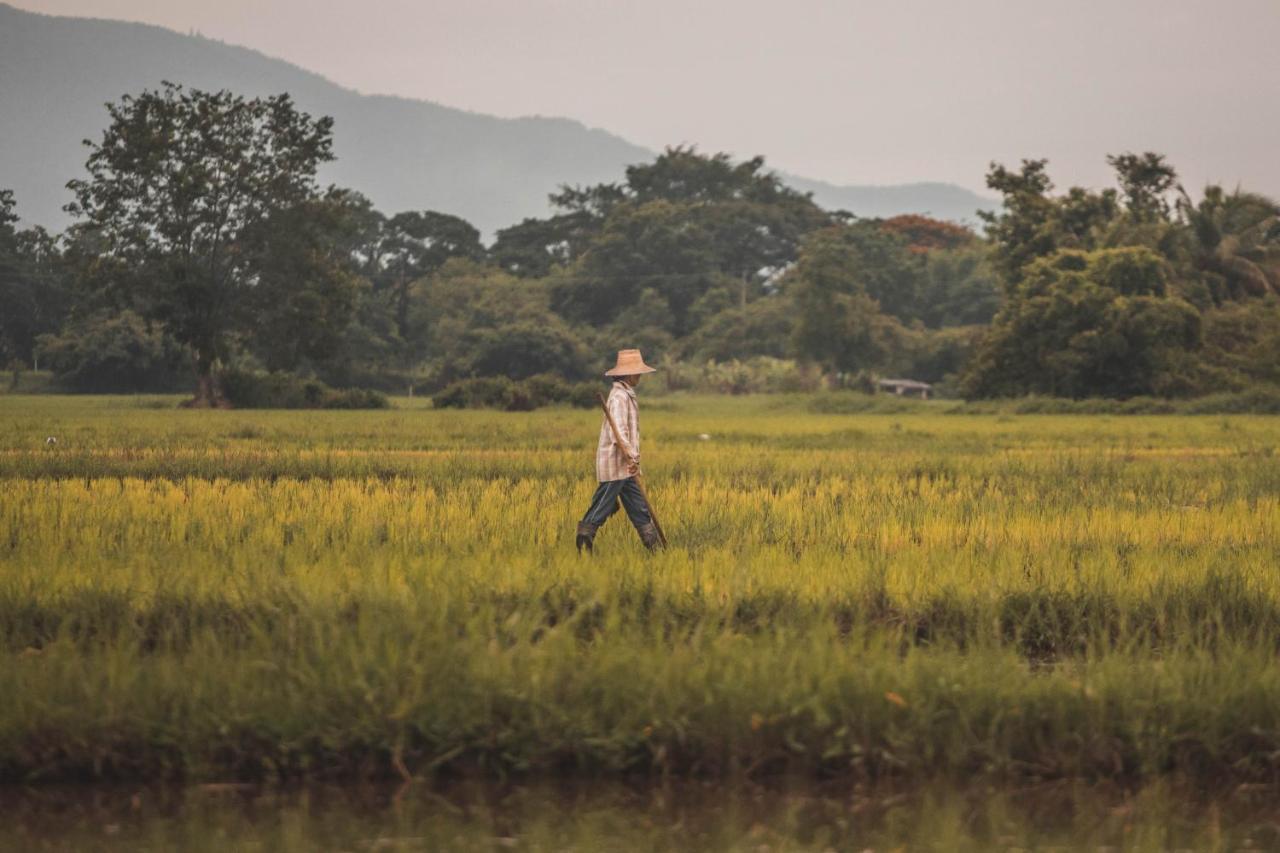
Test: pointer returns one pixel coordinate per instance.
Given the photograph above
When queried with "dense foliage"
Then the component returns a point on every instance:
(252, 390)
(1127, 293)
(499, 392)
(198, 204)
(204, 243)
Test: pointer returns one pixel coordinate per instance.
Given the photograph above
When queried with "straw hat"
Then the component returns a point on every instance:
(629, 364)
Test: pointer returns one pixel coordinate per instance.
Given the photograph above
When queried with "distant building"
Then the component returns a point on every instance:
(905, 387)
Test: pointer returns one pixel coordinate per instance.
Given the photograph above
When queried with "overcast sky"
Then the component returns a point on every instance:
(854, 92)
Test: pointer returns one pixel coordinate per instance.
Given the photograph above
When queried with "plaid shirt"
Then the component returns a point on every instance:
(612, 460)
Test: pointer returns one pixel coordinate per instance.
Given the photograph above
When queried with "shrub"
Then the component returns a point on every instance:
(518, 349)
(481, 392)
(114, 353)
(547, 389)
(498, 392)
(758, 375)
(1255, 401)
(245, 389)
(28, 382)
(354, 398)
(1263, 400)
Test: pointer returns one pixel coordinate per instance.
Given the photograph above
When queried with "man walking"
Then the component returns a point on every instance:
(618, 459)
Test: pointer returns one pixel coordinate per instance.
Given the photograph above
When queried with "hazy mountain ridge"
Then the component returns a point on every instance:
(56, 74)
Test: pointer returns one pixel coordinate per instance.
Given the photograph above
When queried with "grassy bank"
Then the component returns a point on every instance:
(212, 595)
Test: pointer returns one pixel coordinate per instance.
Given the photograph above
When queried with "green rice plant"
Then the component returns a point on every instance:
(279, 595)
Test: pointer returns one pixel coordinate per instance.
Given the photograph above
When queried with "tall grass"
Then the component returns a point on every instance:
(267, 595)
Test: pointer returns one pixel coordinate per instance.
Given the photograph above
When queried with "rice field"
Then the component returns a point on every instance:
(214, 596)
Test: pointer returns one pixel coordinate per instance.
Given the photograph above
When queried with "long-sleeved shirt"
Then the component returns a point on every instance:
(612, 461)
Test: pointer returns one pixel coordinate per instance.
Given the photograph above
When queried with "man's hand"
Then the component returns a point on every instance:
(633, 466)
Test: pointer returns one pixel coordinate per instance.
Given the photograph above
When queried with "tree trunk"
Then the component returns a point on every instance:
(204, 392)
(208, 394)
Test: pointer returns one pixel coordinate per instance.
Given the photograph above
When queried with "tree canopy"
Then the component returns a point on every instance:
(203, 236)
(182, 188)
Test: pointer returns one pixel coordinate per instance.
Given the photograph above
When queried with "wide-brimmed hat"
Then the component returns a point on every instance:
(629, 364)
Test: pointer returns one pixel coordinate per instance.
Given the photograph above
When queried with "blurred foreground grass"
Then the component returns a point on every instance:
(666, 815)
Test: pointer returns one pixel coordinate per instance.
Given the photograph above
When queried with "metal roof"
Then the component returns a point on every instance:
(903, 383)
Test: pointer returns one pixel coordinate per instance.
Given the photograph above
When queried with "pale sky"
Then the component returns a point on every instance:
(857, 91)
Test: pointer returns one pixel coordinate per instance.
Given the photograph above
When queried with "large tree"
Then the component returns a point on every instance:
(1232, 241)
(660, 246)
(12, 284)
(959, 288)
(1023, 229)
(1033, 224)
(883, 266)
(1082, 324)
(415, 244)
(679, 227)
(1146, 180)
(307, 260)
(534, 247)
(754, 222)
(839, 325)
(1242, 343)
(479, 321)
(33, 298)
(179, 187)
(108, 351)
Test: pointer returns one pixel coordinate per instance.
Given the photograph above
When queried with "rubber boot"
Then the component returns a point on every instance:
(586, 535)
(649, 536)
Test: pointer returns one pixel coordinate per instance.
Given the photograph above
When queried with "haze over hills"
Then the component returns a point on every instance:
(56, 74)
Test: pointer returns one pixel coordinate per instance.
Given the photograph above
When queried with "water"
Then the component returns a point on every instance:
(611, 816)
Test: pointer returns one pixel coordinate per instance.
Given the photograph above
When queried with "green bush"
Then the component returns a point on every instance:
(758, 375)
(245, 389)
(481, 392)
(354, 398)
(547, 389)
(1255, 401)
(114, 353)
(1263, 400)
(28, 382)
(498, 392)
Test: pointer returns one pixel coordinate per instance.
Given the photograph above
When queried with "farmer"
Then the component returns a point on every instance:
(618, 462)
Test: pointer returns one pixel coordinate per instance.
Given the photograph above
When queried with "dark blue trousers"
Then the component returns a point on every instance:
(605, 503)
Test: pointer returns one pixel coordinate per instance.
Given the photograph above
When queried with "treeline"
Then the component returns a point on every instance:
(204, 246)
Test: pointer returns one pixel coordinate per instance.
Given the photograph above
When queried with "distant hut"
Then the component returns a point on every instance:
(905, 388)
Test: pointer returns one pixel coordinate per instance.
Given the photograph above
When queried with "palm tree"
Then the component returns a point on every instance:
(1233, 239)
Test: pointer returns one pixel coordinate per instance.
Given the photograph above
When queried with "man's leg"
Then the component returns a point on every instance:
(638, 511)
(603, 504)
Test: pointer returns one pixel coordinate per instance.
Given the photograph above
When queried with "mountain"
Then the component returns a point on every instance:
(943, 201)
(56, 73)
